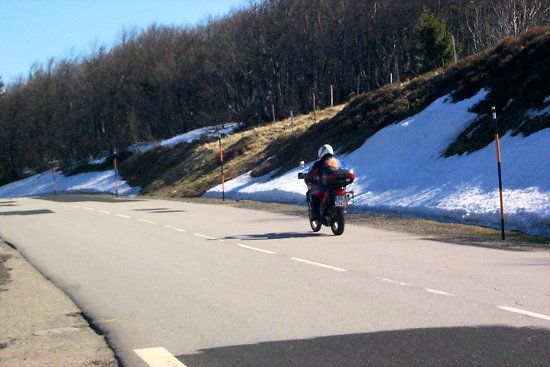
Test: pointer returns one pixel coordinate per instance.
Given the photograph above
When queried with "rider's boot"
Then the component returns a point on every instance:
(315, 214)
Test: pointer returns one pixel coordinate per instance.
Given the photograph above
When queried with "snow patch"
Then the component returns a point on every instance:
(210, 132)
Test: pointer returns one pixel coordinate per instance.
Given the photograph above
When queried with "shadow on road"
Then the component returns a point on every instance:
(82, 197)
(159, 210)
(27, 212)
(461, 346)
(274, 236)
(8, 203)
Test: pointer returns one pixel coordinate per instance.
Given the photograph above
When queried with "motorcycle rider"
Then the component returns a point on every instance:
(316, 189)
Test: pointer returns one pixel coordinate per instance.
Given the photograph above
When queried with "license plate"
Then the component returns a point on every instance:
(341, 200)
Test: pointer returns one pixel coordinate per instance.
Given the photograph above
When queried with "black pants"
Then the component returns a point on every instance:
(315, 206)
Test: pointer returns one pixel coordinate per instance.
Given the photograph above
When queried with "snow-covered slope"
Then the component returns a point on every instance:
(103, 182)
(190, 136)
(400, 170)
(89, 182)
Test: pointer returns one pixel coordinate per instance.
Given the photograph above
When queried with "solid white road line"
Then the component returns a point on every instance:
(174, 228)
(318, 264)
(256, 249)
(123, 216)
(145, 221)
(394, 282)
(158, 357)
(204, 236)
(435, 291)
(524, 312)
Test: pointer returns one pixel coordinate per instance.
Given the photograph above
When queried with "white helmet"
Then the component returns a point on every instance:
(324, 150)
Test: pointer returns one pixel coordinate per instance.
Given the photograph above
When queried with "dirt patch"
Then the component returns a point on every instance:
(39, 324)
(4, 271)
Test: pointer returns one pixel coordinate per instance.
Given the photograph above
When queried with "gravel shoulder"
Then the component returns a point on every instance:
(39, 324)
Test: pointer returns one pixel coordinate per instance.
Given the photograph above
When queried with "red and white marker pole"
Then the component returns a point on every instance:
(116, 176)
(221, 165)
(497, 141)
(54, 181)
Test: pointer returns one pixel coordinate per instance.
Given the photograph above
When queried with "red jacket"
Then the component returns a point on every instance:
(317, 171)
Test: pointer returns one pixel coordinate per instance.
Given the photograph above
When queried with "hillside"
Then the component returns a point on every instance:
(516, 73)
(421, 148)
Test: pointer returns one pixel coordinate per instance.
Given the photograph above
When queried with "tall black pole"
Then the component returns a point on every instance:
(221, 165)
(54, 180)
(115, 166)
(497, 141)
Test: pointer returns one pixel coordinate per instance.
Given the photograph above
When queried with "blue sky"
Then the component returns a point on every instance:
(33, 31)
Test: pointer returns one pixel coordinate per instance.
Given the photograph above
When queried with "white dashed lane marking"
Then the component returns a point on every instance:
(314, 263)
(145, 221)
(394, 282)
(524, 312)
(256, 249)
(441, 293)
(158, 357)
(123, 216)
(174, 228)
(205, 236)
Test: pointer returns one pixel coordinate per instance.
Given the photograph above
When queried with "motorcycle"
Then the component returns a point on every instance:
(335, 201)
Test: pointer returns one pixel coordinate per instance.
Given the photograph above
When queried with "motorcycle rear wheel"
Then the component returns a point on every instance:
(315, 224)
(338, 223)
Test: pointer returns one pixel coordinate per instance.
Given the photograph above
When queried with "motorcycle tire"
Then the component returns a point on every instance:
(315, 224)
(338, 223)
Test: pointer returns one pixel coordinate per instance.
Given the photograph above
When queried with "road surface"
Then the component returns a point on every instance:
(211, 285)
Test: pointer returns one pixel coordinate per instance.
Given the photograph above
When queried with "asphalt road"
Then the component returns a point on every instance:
(205, 285)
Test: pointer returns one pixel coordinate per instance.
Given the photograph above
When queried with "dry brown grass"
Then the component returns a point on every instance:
(189, 170)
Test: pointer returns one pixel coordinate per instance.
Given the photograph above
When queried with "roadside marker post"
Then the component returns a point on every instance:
(116, 176)
(497, 142)
(54, 181)
(314, 109)
(221, 165)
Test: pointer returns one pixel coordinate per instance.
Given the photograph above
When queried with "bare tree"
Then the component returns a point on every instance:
(164, 80)
(487, 22)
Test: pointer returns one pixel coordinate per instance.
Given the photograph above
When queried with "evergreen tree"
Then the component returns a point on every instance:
(433, 44)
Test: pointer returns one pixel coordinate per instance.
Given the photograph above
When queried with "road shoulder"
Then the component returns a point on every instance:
(39, 324)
